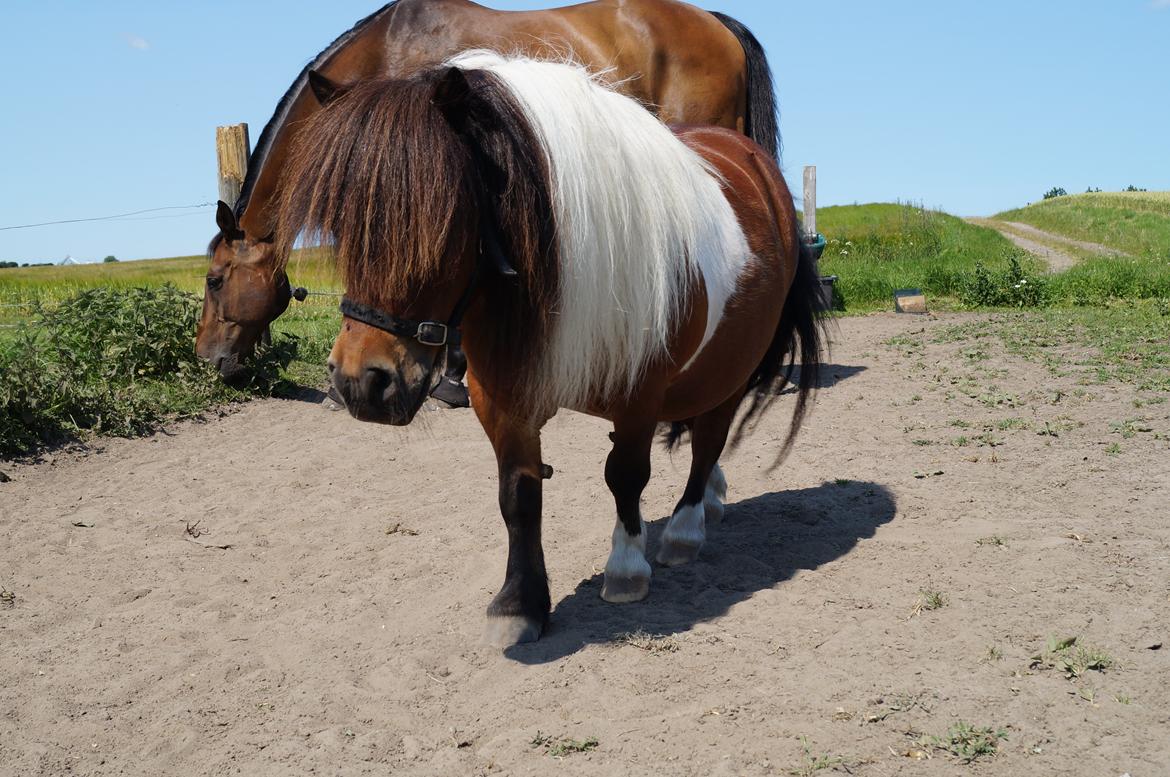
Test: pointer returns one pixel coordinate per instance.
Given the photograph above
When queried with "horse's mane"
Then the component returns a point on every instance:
(640, 216)
(268, 134)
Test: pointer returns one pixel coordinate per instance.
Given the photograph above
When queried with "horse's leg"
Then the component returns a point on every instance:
(519, 612)
(702, 499)
(627, 470)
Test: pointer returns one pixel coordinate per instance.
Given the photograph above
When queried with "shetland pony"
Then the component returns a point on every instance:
(690, 65)
(588, 256)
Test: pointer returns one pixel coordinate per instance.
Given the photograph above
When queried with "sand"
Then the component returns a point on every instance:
(326, 618)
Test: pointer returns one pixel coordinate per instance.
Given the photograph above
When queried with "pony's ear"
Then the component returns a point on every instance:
(324, 90)
(225, 219)
(453, 98)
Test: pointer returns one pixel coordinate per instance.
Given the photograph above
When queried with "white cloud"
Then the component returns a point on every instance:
(136, 42)
(1159, 4)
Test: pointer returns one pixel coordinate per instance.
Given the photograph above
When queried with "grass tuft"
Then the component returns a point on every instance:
(1071, 657)
(561, 747)
(967, 742)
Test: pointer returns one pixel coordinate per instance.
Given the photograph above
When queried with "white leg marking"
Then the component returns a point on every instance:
(715, 495)
(627, 572)
(684, 535)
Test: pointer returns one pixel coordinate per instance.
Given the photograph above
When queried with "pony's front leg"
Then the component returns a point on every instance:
(519, 612)
(627, 470)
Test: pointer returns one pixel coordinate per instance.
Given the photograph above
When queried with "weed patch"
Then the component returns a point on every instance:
(1071, 657)
(114, 361)
(562, 747)
(967, 742)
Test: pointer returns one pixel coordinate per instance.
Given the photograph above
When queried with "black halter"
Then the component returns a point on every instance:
(432, 333)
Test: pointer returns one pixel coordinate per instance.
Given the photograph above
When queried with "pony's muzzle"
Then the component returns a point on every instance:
(376, 394)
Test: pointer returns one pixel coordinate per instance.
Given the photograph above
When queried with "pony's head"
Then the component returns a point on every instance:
(246, 291)
(434, 195)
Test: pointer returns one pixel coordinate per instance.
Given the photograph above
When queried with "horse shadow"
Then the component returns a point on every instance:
(762, 541)
(828, 375)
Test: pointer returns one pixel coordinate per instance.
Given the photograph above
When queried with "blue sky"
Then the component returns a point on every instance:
(968, 106)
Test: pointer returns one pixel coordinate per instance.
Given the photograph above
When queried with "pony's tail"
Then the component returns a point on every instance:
(762, 123)
(799, 333)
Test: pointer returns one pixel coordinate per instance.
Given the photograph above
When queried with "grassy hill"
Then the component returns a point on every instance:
(1137, 223)
(877, 248)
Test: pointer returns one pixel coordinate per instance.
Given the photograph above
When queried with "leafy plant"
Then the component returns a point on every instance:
(1071, 657)
(1012, 287)
(1054, 192)
(113, 361)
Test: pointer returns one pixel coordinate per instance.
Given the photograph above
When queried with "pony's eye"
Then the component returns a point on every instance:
(214, 282)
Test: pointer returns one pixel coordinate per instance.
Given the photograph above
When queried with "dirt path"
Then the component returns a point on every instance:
(1050, 247)
(338, 632)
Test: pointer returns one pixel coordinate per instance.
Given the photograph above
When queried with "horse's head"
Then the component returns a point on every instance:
(430, 189)
(246, 291)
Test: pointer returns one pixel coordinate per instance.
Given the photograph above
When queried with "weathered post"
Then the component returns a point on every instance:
(232, 151)
(810, 202)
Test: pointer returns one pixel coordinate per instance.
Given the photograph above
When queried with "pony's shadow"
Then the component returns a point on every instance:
(761, 542)
(829, 375)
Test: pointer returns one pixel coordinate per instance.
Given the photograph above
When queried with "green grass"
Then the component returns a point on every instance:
(1135, 222)
(877, 248)
(1122, 342)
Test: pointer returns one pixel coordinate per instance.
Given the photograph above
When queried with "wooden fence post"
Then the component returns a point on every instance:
(810, 202)
(232, 151)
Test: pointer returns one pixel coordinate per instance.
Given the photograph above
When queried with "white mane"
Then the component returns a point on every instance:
(638, 214)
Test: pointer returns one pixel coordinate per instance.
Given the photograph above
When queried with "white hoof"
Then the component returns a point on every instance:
(684, 536)
(627, 573)
(715, 495)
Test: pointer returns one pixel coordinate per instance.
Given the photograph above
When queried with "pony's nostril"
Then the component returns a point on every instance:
(329, 365)
(376, 382)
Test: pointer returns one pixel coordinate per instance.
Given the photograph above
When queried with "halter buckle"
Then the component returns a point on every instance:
(431, 333)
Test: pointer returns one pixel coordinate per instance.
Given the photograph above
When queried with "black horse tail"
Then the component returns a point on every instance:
(762, 123)
(800, 333)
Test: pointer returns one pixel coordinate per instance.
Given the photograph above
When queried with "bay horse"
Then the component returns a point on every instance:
(588, 256)
(687, 64)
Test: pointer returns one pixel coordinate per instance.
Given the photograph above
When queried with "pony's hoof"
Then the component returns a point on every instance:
(504, 631)
(623, 590)
(673, 553)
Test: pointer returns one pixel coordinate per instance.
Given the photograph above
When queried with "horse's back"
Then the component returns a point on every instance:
(665, 53)
(763, 205)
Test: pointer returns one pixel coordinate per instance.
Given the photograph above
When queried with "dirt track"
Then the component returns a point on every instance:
(1052, 248)
(330, 638)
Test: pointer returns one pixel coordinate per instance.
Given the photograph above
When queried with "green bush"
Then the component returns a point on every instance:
(113, 361)
(1054, 192)
(1012, 287)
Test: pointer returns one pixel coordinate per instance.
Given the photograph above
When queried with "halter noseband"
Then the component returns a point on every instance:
(432, 333)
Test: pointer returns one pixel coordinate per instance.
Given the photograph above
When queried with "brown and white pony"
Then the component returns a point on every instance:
(689, 65)
(593, 259)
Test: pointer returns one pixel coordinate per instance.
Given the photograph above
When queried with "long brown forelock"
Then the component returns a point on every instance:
(519, 184)
(380, 175)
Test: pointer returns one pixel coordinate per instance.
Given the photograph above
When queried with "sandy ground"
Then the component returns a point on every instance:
(1046, 245)
(338, 632)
